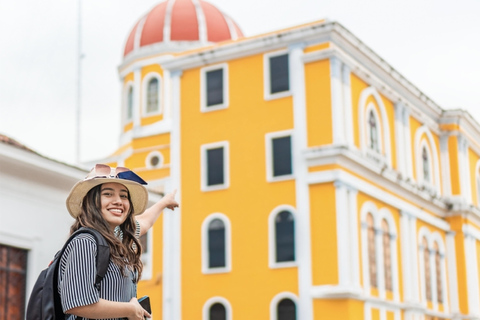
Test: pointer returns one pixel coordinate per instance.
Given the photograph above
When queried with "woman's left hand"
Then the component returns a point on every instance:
(169, 200)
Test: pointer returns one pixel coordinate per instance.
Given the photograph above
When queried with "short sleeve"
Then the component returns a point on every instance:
(77, 273)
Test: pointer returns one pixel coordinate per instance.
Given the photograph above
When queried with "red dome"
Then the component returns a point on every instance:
(181, 24)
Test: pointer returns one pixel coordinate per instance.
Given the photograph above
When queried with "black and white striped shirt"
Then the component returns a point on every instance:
(77, 277)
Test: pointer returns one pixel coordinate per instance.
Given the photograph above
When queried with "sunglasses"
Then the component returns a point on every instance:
(104, 171)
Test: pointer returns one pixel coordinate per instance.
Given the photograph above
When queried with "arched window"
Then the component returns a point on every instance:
(130, 103)
(372, 126)
(425, 165)
(284, 237)
(217, 312)
(216, 244)
(438, 273)
(478, 187)
(152, 95)
(286, 310)
(372, 252)
(387, 256)
(426, 265)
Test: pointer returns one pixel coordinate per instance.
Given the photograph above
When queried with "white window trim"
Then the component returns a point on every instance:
(150, 156)
(279, 297)
(428, 184)
(423, 136)
(228, 244)
(147, 257)
(266, 77)
(128, 85)
(272, 259)
(149, 76)
(226, 165)
(203, 88)
(210, 302)
(477, 182)
(269, 156)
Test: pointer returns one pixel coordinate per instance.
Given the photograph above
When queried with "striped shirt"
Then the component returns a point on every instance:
(77, 277)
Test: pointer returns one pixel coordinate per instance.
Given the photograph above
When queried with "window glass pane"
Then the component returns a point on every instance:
(13, 265)
(285, 237)
(152, 95)
(279, 77)
(282, 156)
(218, 312)
(130, 103)
(428, 276)
(214, 87)
(372, 251)
(387, 254)
(372, 124)
(216, 244)
(286, 310)
(215, 171)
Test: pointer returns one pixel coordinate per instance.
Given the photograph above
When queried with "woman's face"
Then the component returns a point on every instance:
(115, 203)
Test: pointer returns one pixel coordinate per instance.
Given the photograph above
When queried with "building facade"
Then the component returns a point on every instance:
(315, 181)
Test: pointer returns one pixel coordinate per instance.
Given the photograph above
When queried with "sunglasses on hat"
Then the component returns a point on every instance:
(104, 171)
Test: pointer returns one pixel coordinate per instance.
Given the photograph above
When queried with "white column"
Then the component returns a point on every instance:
(137, 97)
(354, 244)
(347, 106)
(400, 139)
(405, 235)
(172, 295)
(452, 272)
(445, 166)
(337, 101)
(408, 143)
(414, 259)
(167, 95)
(302, 191)
(472, 275)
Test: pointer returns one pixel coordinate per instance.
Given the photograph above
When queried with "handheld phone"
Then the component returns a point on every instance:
(145, 303)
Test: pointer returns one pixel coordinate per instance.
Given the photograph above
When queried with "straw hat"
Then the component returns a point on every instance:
(101, 174)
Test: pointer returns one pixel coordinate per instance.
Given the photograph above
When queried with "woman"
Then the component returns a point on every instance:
(110, 201)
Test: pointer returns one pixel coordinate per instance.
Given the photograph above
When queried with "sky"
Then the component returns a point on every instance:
(433, 44)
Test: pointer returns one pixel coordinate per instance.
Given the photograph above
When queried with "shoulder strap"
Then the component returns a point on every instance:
(103, 253)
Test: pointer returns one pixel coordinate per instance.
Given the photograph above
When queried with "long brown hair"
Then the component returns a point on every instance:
(124, 253)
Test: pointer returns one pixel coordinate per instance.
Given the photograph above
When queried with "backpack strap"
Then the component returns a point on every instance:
(101, 261)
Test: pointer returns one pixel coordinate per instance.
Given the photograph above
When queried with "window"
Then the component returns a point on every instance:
(154, 160)
(372, 254)
(217, 312)
(286, 310)
(279, 156)
(146, 242)
(284, 237)
(152, 96)
(130, 103)
(216, 244)
(387, 256)
(276, 75)
(214, 88)
(426, 265)
(13, 266)
(373, 129)
(438, 273)
(425, 165)
(214, 164)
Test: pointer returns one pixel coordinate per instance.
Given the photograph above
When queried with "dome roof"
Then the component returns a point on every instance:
(175, 25)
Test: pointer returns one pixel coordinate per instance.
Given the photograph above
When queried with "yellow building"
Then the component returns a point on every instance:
(315, 181)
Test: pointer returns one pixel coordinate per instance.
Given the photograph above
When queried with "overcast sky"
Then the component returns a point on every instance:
(434, 44)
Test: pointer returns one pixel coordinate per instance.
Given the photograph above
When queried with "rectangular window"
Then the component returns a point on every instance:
(13, 267)
(279, 156)
(279, 77)
(215, 171)
(276, 75)
(214, 87)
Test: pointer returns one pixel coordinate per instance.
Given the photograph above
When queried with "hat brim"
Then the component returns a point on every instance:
(138, 194)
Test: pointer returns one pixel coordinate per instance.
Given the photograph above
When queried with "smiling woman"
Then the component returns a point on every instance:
(113, 202)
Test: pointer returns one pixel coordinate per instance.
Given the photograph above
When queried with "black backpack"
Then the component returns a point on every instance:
(44, 302)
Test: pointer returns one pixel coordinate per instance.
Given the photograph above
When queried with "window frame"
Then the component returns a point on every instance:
(147, 257)
(276, 300)
(154, 154)
(272, 257)
(204, 166)
(203, 88)
(228, 244)
(210, 302)
(146, 80)
(266, 76)
(128, 86)
(269, 137)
